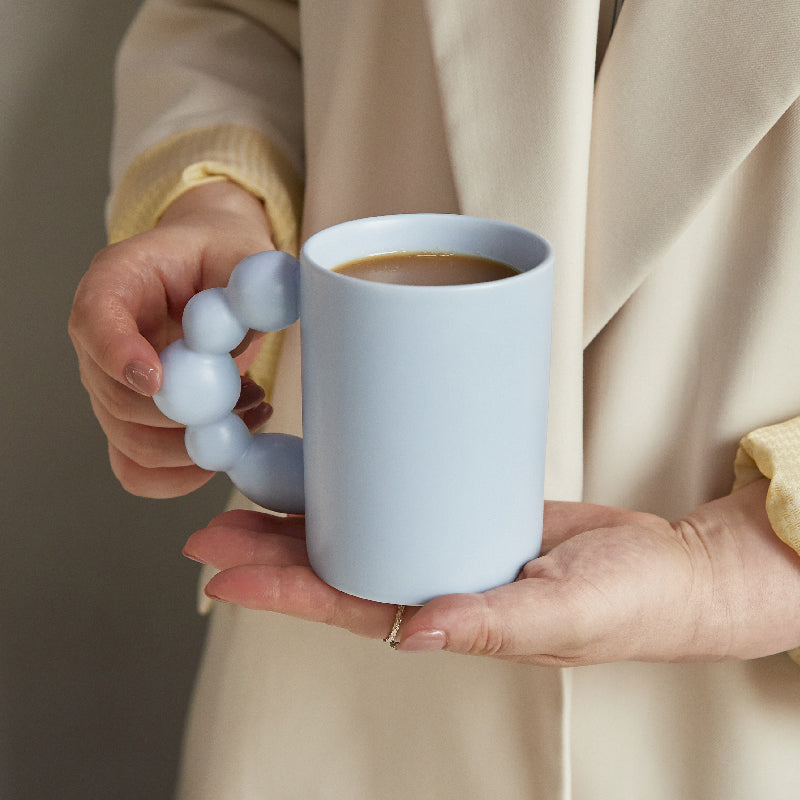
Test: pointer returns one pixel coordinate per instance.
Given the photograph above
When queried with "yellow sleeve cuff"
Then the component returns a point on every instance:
(774, 452)
(194, 157)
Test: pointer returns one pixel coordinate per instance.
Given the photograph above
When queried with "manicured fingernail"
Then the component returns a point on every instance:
(256, 417)
(142, 378)
(423, 642)
(251, 395)
(191, 556)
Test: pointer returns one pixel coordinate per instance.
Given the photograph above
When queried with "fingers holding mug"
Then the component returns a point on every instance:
(263, 565)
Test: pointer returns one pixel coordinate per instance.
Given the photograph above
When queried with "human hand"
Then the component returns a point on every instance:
(612, 585)
(128, 308)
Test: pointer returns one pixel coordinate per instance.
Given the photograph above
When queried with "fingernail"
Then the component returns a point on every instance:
(142, 378)
(213, 596)
(423, 642)
(256, 417)
(251, 395)
(191, 556)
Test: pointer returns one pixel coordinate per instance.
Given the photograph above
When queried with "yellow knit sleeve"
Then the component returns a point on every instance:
(774, 452)
(195, 157)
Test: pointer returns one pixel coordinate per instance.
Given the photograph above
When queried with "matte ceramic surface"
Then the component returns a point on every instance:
(424, 408)
(424, 411)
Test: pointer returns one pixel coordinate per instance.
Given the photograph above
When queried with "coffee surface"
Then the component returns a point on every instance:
(427, 269)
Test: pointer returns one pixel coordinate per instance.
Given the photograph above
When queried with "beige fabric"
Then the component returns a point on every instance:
(188, 64)
(671, 192)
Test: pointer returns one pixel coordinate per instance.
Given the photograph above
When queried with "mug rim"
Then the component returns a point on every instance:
(314, 249)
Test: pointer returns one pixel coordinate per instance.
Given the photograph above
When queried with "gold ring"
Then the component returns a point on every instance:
(392, 639)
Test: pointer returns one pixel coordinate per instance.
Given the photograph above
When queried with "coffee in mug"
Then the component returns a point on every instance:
(427, 269)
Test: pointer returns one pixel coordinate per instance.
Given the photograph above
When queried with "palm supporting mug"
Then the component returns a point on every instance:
(421, 467)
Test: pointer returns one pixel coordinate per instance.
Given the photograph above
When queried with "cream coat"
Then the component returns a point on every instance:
(669, 184)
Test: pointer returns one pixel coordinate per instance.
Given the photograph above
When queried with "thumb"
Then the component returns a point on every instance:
(528, 620)
(104, 325)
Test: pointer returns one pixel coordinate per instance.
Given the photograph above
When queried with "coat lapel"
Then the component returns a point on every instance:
(516, 82)
(686, 90)
(612, 170)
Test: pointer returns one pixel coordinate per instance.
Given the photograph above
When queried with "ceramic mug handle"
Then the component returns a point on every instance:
(201, 382)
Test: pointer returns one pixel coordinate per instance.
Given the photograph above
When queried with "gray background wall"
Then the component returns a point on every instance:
(98, 634)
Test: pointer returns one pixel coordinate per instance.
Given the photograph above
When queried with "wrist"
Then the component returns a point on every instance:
(753, 577)
(220, 198)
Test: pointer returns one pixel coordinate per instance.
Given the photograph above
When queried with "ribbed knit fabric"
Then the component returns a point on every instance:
(774, 452)
(195, 157)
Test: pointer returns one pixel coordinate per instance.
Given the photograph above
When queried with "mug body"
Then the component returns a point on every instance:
(424, 410)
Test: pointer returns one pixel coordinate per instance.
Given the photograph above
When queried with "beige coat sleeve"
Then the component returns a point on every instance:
(206, 91)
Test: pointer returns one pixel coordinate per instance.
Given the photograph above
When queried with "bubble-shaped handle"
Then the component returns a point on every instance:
(201, 383)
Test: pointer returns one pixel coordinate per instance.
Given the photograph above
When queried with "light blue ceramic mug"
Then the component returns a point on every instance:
(421, 467)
